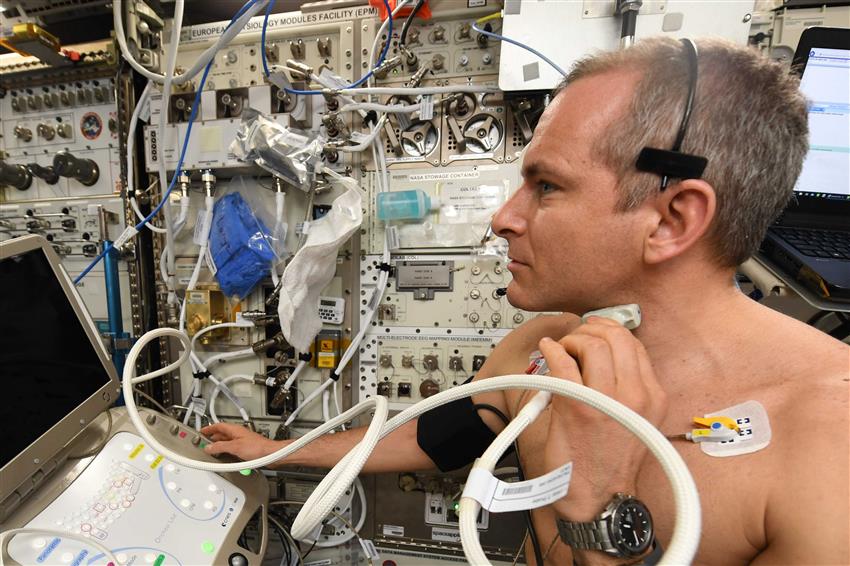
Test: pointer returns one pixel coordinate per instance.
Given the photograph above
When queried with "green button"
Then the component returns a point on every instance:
(159, 560)
(208, 547)
(245, 472)
(202, 445)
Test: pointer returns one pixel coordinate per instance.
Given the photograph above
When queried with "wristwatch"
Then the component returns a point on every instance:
(624, 529)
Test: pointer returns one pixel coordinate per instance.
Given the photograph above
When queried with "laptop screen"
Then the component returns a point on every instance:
(48, 366)
(826, 83)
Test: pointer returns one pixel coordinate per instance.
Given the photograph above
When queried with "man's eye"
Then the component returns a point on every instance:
(545, 188)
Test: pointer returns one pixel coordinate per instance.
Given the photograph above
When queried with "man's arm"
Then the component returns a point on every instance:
(808, 510)
(400, 451)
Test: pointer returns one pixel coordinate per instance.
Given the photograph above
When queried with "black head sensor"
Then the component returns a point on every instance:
(673, 163)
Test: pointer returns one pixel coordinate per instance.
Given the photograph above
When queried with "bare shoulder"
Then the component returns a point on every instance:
(511, 354)
(809, 420)
(511, 357)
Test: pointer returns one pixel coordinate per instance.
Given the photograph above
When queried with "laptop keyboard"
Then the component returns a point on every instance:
(817, 243)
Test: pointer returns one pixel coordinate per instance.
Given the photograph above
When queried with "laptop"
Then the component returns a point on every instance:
(83, 484)
(811, 239)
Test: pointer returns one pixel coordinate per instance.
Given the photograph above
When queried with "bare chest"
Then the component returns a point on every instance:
(733, 494)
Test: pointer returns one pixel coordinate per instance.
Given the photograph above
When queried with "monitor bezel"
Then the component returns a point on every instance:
(823, 38)
(40, 456)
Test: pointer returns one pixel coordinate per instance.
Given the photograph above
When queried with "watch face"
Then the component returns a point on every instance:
(631, 528)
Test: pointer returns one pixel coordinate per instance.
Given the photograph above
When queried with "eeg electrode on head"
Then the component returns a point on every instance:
(673, 163)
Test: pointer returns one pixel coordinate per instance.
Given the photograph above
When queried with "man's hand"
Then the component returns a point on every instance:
(606, 457)
(238, 441)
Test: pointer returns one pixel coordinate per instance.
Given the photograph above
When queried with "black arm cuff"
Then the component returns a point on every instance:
(453, 435)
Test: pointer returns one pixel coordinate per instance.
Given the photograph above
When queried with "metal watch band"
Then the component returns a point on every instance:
(592, 535)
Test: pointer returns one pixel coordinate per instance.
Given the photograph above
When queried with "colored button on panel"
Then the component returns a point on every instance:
(245, 472)
(208, 547)
(159, 560)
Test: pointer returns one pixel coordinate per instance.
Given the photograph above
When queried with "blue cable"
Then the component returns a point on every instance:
(518, 44)
(197, 102)
(355, 84)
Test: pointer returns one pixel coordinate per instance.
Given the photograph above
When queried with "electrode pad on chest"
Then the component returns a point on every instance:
(753, 434)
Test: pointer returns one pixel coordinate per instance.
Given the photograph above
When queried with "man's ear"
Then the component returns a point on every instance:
(683, 214)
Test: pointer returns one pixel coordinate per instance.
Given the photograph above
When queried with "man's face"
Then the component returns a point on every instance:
(570, 249)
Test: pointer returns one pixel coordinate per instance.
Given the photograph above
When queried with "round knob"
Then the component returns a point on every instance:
(22, 133)
(496, 318)
(174, 429)
(487, 59)
(83, 170)
(196, 440)
(15, 176)
(428, 388)
(231, 57)
(475, 294)
(151, 419)
(463, 61)
(473, 317)
(47, 174)
(63, 131)
(45, 131)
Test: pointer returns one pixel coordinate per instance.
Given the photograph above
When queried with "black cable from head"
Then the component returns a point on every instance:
(693, 62)
(532, 532)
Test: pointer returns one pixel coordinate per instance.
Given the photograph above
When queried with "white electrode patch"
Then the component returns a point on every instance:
(754, 433)
(501, 497)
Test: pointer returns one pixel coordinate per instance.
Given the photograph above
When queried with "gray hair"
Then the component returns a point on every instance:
(749, 120)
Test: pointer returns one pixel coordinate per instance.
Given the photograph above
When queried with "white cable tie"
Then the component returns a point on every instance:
(369, 549)
(498, 496)
(426, 110)
(393, 239)
(270, 381)
(128, 234)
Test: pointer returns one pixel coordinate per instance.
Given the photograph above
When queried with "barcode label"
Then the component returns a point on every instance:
(497, 496)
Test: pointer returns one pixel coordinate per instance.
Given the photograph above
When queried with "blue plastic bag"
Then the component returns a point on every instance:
(240, 246)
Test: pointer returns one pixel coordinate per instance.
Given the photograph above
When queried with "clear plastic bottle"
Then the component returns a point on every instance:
(405, 205)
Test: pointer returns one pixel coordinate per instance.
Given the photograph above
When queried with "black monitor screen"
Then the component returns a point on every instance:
(48, 366)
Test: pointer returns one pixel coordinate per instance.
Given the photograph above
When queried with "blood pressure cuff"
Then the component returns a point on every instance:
(453, 435)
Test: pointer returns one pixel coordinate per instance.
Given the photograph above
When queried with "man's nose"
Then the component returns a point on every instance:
(510, 219)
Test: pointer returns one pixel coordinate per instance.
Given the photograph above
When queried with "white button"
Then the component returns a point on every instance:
(169, 467)
(171, 485)
(129, 498)
(150, 557)
(185, 502)
(149, 457)
(122, 558)
(213, 487)
(128, 447)
(85, 527)
(67, 557)
(208, 504)
(39, 543)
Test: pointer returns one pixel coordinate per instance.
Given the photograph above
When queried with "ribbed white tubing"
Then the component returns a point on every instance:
(469, 507)
(323, 499)
(686, 532)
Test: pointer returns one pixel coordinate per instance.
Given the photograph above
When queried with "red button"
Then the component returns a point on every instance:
(182, 434)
